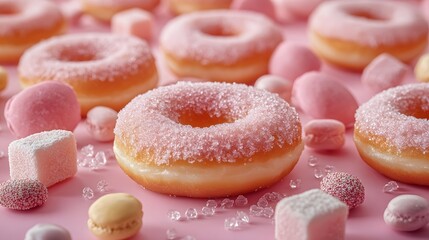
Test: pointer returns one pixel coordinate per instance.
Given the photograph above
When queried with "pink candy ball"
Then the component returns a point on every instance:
(22, 194)
(45, 106)
(345, 187)
(322, 97)
(100, 122)
(291, 60)
(275, 84)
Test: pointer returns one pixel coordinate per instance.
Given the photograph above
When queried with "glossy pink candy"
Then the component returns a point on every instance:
(321, 97)
(100, 122)
(291, 60)
(42, 107)
(324, 134)
(407, 213)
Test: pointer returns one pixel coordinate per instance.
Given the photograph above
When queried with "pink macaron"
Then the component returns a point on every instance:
(324, 134)
(42, 107)
(100, 122)
(321, 97)
(407, 213)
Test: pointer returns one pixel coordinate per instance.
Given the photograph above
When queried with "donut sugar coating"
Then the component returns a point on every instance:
(188, 6)
(207, 139)
(350, 34)
(105, 9)
(220, 45)
(391, 133)
(23, 23)
(103, 69)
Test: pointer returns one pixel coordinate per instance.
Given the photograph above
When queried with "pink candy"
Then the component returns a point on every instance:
(345, 187)
(47, 232)
(319, 96)
(291, 60)
(49, 157)
(101, 122)
(137, 22)
(262, 6)
(324, 134)
(22, 194)
(384, 72)
(292, 9)
(42, 107)
(275, 84)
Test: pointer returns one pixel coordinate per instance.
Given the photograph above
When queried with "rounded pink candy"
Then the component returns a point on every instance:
(101, 122)
(296, 8)
(324, 134)
(265, 7)
(321, 97)
(275, 84)
(291, 60)
(22, 194)
(345, 187)
(42, 107)
(407, 213)
(47, 232)
(384, 72)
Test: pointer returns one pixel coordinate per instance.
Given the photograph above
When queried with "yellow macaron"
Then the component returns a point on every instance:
(115, 216)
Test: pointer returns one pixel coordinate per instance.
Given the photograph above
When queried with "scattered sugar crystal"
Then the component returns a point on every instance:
(390, 187)
(227, 203)
(189, 237)
(87, 193)
(191, 213)
(2, 154)
(241, 201)
(100, 158)
(87, 150)
(262, 202)
(293, 184)
(110, 155)
(312, 161)
(171, 233)
(256, 210)
(242, 217)
(211, 203)
(174, 215)
(318, 173)
(102, 186)
(84, 161)
(268, 212)
(208, 211)
(329, 169)
(232, 224)
(272, 196)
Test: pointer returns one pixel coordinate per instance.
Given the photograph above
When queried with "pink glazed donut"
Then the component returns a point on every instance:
(194, 139)
(220, 45)
(23, 23)
(392, 133)
(351, 34)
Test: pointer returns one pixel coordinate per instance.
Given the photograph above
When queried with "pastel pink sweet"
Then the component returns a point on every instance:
(324, 134)
(137, 22)
(100, 123)
(72, 11)
(22, 194)
(300, 9)
(312, 215)
(45, 231)
(42, 107)
(407, 213)
(322, 97)
(49, 157)
(384, 72)
(291, 60)
(265, 7)
(275, 84)
(345, 187)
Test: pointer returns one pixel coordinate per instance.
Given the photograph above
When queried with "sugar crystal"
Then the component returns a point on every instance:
(87, 193)
(241, 201)
(191, 213)
(390, 187)
(174, 215)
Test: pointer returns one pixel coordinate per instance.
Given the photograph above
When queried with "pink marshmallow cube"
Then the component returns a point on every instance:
(275, 84)
(291, 60)
(384, 72)
(312, 215)
(135, 22)
(49, 157)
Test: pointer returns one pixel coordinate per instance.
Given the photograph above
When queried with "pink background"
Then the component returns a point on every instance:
(66, 206)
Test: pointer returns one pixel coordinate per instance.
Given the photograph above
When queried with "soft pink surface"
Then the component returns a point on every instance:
(66, 207)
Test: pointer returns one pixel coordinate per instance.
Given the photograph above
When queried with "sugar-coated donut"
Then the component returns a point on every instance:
(207, 139)
(392, 133)
(103, 69)
(23, 23)
(220, 45)
(350, 34)
(188, 6)
(105, 9)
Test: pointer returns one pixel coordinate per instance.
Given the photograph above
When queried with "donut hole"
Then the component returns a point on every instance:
(219, 31)
(202, 120)
(368, 14)
(8, 10)
(78, 54)
(418, 108)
